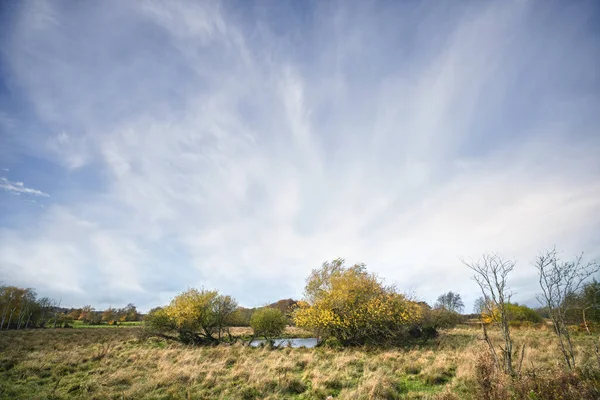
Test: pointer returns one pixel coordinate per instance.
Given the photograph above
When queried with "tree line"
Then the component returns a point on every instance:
(21, 308)
(349, 305)
(344, 304)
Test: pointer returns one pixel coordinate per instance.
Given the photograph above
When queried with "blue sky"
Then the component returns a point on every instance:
(150, 146)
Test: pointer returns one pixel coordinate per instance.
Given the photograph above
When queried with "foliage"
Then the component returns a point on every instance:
(286, 306)
(587, 300)
(20, 309)
(268, 322)
(110, 316)
(353, 306)
(243, 316)
(517, 314)
(195, 316)
(440, 318)
(521, 313)
(450, 302)
(90, 316)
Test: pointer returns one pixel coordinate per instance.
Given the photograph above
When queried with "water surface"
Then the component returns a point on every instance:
(292, 342)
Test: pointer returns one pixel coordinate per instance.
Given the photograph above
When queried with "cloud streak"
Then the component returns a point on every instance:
(195, 144)
(19, 188)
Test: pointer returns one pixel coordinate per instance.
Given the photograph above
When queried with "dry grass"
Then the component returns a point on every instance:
(113, 363)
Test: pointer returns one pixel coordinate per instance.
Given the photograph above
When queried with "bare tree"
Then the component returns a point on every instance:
(450, 302)
(491, 273)
(561, 280)
(479, 306)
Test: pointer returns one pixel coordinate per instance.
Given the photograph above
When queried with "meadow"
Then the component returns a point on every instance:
(108, 363)
(127, 324)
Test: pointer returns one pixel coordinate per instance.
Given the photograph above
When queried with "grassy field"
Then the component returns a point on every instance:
(113, 364)
(82, 325)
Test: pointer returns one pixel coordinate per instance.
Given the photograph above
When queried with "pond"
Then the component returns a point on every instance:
(292, 342)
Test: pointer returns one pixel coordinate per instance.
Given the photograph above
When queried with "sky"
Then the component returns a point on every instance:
(147, 147)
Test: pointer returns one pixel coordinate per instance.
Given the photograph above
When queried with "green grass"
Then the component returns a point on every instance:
(128, 324)
(114, 364)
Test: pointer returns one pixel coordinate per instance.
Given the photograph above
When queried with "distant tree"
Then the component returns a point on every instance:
(450, 302)
(479, 306)
(440, 318)
(110, 316)
(90, 316)
(65, 321)
(75, 313)
(286, 306)
(130, 313)
(542, 312)
(268, 322)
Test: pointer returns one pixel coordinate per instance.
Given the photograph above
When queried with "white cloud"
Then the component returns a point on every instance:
(19, 188)
(238, 154)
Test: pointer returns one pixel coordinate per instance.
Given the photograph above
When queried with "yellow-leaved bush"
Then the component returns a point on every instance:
(196, 316)
(354, 306)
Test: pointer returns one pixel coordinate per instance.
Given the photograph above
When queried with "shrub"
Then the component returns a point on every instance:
(268, 322)
(522, 314)
(547, 384)
(440, 318)
(194, 316)
(354, 306)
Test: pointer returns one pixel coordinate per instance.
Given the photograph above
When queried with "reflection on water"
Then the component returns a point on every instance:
(293, 342)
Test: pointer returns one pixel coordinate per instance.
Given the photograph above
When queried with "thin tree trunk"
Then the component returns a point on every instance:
(28, 319)
(20, 319)
(10, 318)
(570, 348)
(5, 312)
(22, 313)
(560, 333)
(490, 345)
(521, 360)
(508, 367)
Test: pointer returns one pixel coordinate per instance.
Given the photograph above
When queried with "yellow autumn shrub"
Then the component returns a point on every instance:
(354, 306)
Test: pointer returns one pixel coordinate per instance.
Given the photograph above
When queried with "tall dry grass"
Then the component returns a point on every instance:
(109, 363)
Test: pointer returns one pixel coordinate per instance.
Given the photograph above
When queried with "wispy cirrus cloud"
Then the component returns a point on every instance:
(197, 144)
(19, 188)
